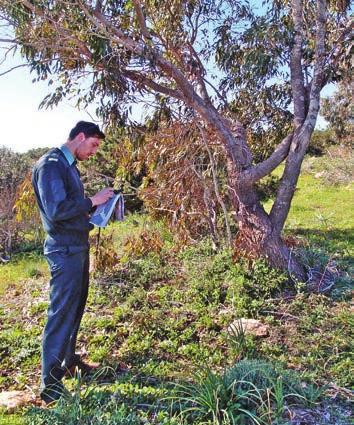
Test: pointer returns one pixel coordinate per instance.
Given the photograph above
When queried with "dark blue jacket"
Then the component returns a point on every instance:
(62, 204)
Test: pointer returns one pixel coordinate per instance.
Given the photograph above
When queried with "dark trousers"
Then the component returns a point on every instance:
(68, 294)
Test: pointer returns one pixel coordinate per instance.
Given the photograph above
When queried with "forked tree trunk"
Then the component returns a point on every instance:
(257, 236)
(260, 233)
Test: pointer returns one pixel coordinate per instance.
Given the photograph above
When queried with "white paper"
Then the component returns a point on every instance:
(104, 211)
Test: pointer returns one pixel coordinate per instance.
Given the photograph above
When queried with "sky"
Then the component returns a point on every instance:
(24, 126)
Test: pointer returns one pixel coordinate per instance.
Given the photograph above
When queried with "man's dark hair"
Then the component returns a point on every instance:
(89, 129)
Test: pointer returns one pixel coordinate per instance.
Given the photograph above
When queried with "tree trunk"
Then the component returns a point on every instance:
(257, 237)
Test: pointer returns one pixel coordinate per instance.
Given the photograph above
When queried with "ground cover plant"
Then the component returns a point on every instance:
(165, 313)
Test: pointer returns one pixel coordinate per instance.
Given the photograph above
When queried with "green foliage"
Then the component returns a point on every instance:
(167, 311)
(87, 408)
(251, 49)
(166, 328)
(321, 141)
(13, 168)
(251, 392)
(19, 346)
(152, 268)
(12, 172)
(241, 344)
(15, 419)
(250, 287)
(20, 268)
(218, 279)
(18, 220)
(311, 334)
(267, 187)
(120, 399)
(115, 164)
(336, 168)
(338, 111)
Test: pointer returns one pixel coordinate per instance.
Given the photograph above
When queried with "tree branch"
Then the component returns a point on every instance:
(339, 43)
(297, 77)
(236, 146)
(303, 134)
(216, 185)
(61, 30)
(258, 171)
(200, 72)
(8, 40)
(141, 19)
(318, 76)
(13, 68)
(142, 79)
(220, 96)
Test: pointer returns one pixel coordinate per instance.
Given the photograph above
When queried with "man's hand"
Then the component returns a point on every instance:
(102, 196)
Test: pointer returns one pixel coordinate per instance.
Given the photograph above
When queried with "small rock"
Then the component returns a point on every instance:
(13, 400)
(226, 311)
(249, 326)
(319, 174)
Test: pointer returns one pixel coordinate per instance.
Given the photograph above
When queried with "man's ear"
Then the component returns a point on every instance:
(81, 137)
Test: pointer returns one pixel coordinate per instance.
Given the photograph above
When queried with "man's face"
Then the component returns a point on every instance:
(87, 147)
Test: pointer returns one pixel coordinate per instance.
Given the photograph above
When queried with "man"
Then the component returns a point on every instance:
(64, 211)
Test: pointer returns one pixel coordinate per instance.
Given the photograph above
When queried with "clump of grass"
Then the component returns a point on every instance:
(250, 392)
(322, 270)
(241, 344)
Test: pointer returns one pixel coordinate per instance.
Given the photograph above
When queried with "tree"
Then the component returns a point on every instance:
(14, 167)
(12, 171)
(338, 111)
(164, 53)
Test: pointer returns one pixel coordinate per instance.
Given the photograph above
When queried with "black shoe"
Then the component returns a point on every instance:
(52, 393)
(85, 368)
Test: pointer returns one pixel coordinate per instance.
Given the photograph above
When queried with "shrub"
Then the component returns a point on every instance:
(144, 271)
(335, 168)
(217, 279)
(143, 243)
(251, 392)
(321, 140)
(105, 257)
(251, 285)
(268, 187)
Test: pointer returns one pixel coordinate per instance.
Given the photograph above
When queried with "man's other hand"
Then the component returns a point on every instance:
(102, 196)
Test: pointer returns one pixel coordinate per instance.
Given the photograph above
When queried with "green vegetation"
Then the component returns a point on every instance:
(20, 268)
(321, 216)
(165, 312)
(249, 392)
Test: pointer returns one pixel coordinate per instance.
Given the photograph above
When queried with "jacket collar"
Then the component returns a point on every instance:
(68, 155)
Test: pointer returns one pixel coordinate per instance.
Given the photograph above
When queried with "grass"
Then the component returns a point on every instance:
(321, 213)
(15, 419)
(165, 314)
(321, 207)
(165, 329)
(250, 392)
(314, 198)
(20, 268)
